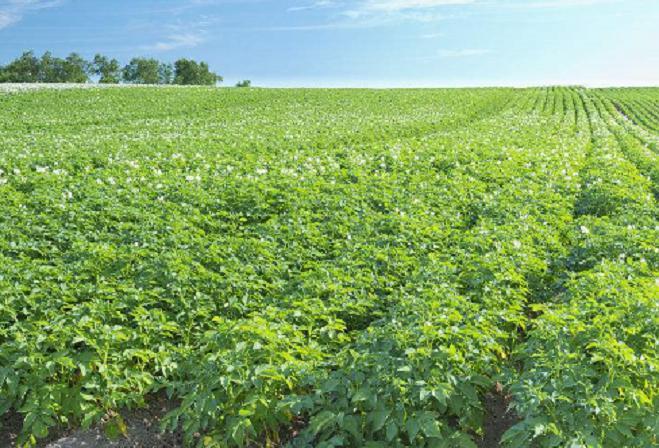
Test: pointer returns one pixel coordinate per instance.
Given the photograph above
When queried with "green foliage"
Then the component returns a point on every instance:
(183, 72)
(245, 83)
(143, 71)
(189, 72)
(74, 69)
(23, 69)
(51, 69)
(331, 268)
(165, 73)
(108, 70)
(47, 69)
(589, 375)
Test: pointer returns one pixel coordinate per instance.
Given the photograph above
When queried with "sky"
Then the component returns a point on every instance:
(357, 43)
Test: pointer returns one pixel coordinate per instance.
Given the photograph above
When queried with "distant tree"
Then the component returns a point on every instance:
(142, 71)
(22, 69)
(189, 72)
(165, 73)
(51, 69)
(76, 69)
(48, 69)
(245, 83)
(108, 70)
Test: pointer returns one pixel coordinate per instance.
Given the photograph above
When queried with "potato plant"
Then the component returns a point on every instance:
(333, 268)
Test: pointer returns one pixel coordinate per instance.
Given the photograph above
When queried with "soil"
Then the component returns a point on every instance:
(10, 426)
(499, 418)
(143, 431)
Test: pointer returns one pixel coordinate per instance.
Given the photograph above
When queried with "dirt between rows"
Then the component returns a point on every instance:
(143, 428)
(143, 431)
(499, 418)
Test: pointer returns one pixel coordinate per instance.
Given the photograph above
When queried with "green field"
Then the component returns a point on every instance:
(333, 268)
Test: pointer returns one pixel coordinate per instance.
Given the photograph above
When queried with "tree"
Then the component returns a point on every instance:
(245, 83)
(142, 71)
(51, 69)
(165, 73)
(148, 71)
(23, 69)
(76, 69)
(108, 70)
(189, 72)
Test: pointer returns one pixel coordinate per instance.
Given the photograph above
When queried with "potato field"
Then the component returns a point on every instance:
(332, 268)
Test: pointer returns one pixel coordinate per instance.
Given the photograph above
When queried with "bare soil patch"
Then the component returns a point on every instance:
(143, 431)
(499, 418)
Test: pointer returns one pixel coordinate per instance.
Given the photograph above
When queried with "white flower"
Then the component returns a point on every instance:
(42, 169)
(261, 171)
(67, 195)
(111, 181)
(17, 171)
(517, 244)
(3, 181)
(584, 230)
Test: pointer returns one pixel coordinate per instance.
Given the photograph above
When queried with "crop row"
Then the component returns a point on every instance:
(590, 367)
(332, 268)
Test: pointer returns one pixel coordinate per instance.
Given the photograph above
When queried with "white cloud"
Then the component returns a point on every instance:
(376, 13)
(431, 35)
(392, 10)
(175, 41)
(183, 34)
(320, 4)
(539, 4)
(12, 11)
(372, 13)
(6, 19)
(467, 52)
(403, 5)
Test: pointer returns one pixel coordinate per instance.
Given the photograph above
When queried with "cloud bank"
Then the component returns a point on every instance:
(13, 11)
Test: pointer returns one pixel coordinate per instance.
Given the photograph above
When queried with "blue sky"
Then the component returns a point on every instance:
(376, 43)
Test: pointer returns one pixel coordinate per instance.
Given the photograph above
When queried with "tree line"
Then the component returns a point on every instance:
(28, 68)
